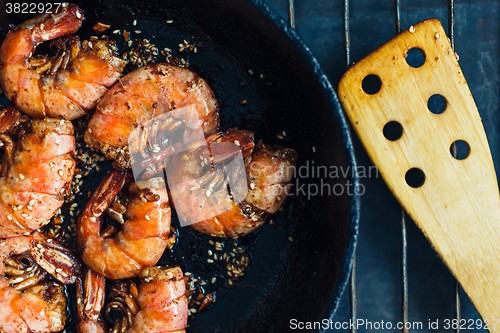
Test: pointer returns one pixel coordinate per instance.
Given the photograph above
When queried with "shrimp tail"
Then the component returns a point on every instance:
(57, 260)
(105, 194)
(50, 26)
(102, 197)
(226, 145)
(9, 119)
(90, 293)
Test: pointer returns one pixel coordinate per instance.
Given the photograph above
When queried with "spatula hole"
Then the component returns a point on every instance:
(415, 177)
(393, 130)
(415, 57)
(371, 84)
(461, 150)
(437, 104)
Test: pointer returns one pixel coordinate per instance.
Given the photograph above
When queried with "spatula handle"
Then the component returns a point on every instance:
(455, 202)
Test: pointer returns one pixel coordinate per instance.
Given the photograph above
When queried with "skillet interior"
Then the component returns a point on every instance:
(298, 279)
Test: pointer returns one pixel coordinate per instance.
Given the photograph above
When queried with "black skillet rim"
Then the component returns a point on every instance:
(347, 146)
(344, 129)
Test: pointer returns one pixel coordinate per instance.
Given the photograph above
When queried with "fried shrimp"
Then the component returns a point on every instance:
(199, 180)
(158, 305)
(144, 94)
(28, 303)
(66, 85)
(145, 227)
(36, 173)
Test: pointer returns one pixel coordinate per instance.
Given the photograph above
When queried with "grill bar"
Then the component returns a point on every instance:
(404, 273)
(347, 34)
(354, 300)
(451, 22)
(404, 244)
(291, 13)
(456, 285)
(352, 280)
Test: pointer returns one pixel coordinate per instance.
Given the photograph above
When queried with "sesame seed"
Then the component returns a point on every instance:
(314, 149)
(243, 102)
(147, 217)
(170, 21)
(129, 43)
(134, 23)
(236, 142)
(250, 72)
(116, 32)
(21, 176)
(214, 279)
(437, 35)
(412, 29)
(210, 261)
(78, 14)
(280, 136)
(210, 252)
(61, 173)
(137, 31)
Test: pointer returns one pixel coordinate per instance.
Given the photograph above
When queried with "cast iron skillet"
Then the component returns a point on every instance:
(301, 279)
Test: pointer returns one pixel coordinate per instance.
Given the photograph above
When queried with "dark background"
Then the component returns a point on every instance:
(477, 31)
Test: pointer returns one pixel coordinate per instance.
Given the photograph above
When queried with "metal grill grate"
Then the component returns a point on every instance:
(404, 248)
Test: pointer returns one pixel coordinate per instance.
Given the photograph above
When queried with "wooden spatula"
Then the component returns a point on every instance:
(455, 202)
